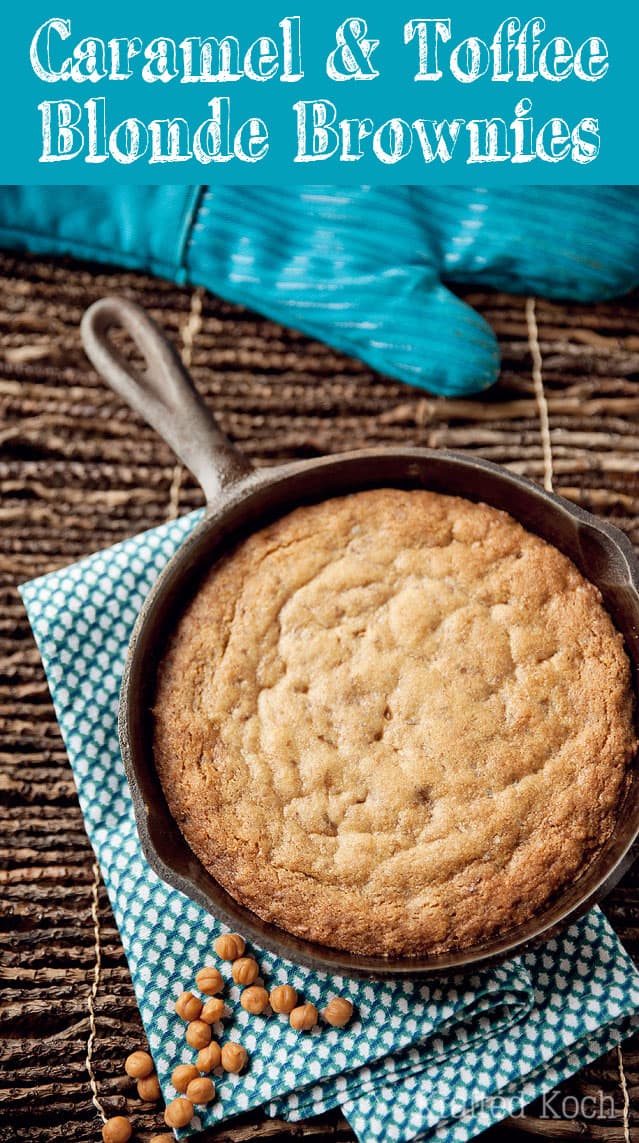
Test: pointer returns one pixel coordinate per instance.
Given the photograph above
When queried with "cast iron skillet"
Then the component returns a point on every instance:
(241, 499)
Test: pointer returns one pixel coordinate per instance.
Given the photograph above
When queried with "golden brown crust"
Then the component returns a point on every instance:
(394, 722)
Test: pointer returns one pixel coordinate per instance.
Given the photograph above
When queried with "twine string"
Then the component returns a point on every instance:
(188, 333)
(540, 394)
(93, 991)
(626, 1096)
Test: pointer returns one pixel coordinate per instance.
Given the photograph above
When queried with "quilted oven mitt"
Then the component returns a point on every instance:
(362, 268)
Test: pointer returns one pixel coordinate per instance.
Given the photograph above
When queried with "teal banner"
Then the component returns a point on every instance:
(332, 92)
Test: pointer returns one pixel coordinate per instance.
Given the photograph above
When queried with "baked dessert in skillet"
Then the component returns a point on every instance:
(395, 722)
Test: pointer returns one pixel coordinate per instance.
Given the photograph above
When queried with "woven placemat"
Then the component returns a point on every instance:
(80, 472)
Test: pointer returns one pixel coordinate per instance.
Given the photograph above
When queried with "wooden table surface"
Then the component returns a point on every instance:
(80, 472)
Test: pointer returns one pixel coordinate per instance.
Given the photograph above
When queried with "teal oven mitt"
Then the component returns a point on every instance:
(363, 268)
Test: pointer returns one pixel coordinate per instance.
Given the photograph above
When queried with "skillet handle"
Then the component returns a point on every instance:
(163, 393)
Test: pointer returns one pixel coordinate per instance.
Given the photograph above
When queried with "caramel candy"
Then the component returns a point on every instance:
(209, 980)
(117, 1130)
(303, 1018)
(182, 1076)
(283, 998)
(338, 1011)
(230, 946)
(234, 1057)
(149, 1088)
(188, 1006)
(201, 1090)
(213, 1010)
(210, 1057)
(198, 1034)
(245, 970)
(138, 1065)
(254, 1000)
(178, 1113)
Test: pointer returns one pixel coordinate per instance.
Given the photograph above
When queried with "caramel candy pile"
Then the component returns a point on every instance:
(138, 1066)
(193, 1082)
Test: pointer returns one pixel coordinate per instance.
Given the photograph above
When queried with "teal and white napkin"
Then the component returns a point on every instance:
(443, 1059)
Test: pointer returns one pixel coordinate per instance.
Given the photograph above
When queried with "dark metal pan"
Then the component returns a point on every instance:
(240, 500)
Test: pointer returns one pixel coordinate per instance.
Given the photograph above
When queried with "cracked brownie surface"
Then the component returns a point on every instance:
(394, 722)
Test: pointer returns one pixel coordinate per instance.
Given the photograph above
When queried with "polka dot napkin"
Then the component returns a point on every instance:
(443, 1058)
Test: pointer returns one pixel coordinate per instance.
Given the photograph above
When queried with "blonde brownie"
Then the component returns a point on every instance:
(394, 722)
